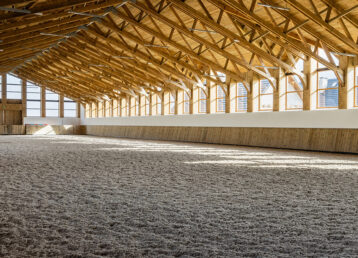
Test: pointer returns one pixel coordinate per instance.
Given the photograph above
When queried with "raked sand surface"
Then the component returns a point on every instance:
(82, 196)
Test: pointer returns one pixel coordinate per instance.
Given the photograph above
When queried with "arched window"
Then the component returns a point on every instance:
(171, 104)
(327, 84)
(202, 101)
(186, 103)
(240, 98)
(220, 99)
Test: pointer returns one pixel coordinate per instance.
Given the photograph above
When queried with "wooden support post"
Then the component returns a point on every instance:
(111, 108)
(232, 96)
(310, 91)
(253, 94)
(279, 97)
(191, 101)
(43, 102)
(24, 98)
(176, 107)
(346, 91)
(209, 99)
(3, 90)
(228, 99)
(89, 110)
(150, 104)
(211, 103)
(78, 109)
(161, 95)
(62, 105)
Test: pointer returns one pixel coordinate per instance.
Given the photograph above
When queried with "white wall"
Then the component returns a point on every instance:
(52, 121)
(289, 119)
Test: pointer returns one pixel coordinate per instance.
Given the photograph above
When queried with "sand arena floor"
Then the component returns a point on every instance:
(91, 197)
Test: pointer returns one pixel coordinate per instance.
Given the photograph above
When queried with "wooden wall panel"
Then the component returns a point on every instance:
(54, 130)
(12, 129)
(13, 117)
(332, 140)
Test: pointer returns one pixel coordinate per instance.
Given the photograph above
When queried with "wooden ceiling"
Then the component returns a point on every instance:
(92, 50)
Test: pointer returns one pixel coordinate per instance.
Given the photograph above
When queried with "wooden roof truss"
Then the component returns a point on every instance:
(93, 50)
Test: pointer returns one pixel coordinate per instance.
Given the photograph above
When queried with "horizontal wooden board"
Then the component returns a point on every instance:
(316, 139)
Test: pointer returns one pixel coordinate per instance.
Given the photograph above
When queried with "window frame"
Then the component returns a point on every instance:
(186, 102)
(219, 98)
(324, 69)
(264, 94)
(202, 99)
(237, 97)
(289, 92)
(171, 102)
(158, 112)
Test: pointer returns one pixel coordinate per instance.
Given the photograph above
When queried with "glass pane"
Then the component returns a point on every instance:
(51, 95)
(294, 100)
(12, 80)
(71, 105)
(33, 104)
(70, 113)
(327, 79)
(202, 94)
(265, 87)
(294, 83)
(186, 96)
(14, 91)
(186, 107)
(266, 102)
(147, 109)
(221, 76)
(172, 108)
(52, 113)
(202, 106)
(299, 65)
(240, 90)
(33, 108)
(51, 105)
(159, 108)
(220, 92)
(356, 96)
(221, 105)
(33, 112)
(241, 104)
(328, 98)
